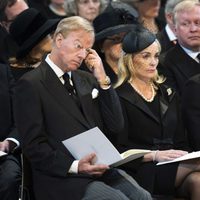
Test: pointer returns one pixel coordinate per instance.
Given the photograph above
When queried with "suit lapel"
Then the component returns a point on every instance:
(128, 93)
(58, 91)
(186, 65)
(165, 97)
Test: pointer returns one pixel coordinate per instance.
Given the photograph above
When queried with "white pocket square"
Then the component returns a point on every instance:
(95, 93)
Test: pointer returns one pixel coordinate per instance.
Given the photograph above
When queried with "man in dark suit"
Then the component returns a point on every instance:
(167, 37)
(47, 113)
(191, 110)
(10, 169)
(181, 62)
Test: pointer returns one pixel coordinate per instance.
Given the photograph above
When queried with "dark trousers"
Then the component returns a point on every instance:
(10, 177)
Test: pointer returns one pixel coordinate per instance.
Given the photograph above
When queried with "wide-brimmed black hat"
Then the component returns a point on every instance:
(137, 40)
(29, 28)
(115, 19)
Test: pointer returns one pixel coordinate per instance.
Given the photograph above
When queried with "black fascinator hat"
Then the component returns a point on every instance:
(137, 40)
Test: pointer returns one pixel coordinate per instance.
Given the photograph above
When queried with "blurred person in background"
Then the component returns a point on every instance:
(167, 37)
(148, 13)
(110, 28)
(55, 9)
(182, 62)
(88, 9)
(9, 9)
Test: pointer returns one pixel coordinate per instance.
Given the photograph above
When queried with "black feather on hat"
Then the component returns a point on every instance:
(29, 28)
(137, 40)
(115, 19)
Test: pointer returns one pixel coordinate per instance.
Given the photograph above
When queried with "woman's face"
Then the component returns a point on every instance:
(145, 62)
(148, 8)
(88, 9)
(112, 47)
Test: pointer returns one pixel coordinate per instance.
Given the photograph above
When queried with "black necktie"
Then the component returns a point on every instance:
(198, 57)
(68, 85)
(70, 88)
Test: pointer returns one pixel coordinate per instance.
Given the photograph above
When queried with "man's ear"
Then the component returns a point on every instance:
(58, 39)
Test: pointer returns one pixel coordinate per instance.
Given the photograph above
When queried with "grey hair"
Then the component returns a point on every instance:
(71, 8)
(185, 5)
(73, 23)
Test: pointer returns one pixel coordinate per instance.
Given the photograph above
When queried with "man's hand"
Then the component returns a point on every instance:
(4, 146)
(85, 166)
(7, 146)
(95, 65)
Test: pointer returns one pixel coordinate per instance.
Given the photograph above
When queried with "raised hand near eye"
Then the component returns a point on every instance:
(95, 65)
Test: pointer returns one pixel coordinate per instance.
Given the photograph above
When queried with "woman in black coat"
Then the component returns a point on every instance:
(153, 121)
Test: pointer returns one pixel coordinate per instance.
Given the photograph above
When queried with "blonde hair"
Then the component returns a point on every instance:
(126, 70)
(73, 23)
(186, 5)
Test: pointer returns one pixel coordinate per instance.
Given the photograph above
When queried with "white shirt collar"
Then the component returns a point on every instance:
(191, 53)
(55, 68)
(170, 33)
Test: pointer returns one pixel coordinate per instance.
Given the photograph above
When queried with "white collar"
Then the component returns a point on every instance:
(190, 53)
(170, 33)
(55, 68)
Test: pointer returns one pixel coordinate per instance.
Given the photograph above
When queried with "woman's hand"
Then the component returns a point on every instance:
(167, 155)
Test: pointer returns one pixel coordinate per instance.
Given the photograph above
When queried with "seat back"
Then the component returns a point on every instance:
(27, 185)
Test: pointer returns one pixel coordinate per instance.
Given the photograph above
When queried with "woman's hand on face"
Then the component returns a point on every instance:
(167, 155)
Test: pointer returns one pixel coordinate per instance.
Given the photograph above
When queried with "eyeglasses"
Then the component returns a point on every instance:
(115, 40)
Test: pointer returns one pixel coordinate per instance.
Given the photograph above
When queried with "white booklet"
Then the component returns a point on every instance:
(188, 156)
(94, 141)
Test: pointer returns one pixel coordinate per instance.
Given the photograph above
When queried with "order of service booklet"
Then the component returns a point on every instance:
(188, 156)
(94, 141)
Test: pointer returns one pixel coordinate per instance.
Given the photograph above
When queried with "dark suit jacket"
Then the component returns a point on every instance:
(178, 67)
(165, 43)
(7, 128)
(191, 110)
(46, 115)
(147, 130)
(8, 46)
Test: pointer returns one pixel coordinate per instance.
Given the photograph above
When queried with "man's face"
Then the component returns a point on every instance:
(13, 11)
(187, 28)
(72, 50)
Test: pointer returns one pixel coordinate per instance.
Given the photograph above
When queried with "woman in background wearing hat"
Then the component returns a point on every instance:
(153, 121)
(87, 9)
(111, 27)
(31, 31)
